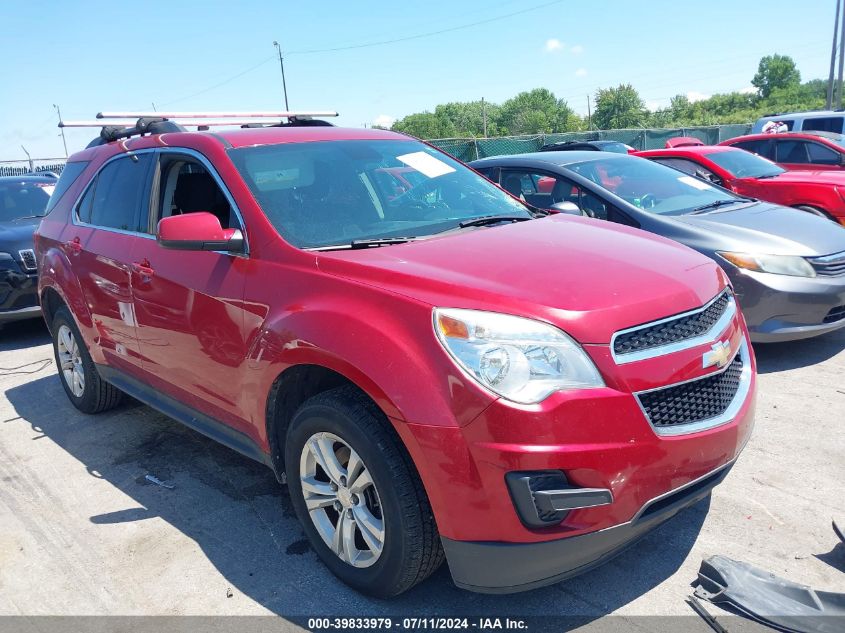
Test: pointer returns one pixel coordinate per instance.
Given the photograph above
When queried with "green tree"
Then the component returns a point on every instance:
(425, 125)
(537, 111)
(775, 72)
(619, 107)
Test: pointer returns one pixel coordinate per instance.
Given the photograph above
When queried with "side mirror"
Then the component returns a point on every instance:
(198, 231)
(567, 207)
(842, 160)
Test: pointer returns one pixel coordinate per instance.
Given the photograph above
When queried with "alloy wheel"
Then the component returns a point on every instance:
(70, 361)
(341, 499)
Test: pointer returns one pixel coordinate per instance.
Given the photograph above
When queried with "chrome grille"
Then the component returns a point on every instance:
(634, 343)
(829, 265)
(700, 403)
(28, 260)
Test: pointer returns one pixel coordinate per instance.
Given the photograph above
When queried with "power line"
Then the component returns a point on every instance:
(222, 83)
(312, 51)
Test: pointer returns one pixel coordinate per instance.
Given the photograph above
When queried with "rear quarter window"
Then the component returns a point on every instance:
(70, 174)
(823, 124)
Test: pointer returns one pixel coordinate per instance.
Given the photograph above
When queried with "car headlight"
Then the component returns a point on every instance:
(776, 264)
(520, 359)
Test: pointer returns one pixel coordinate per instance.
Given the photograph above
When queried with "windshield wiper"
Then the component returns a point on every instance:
(380, 241)
(484, 220)
(704, 208)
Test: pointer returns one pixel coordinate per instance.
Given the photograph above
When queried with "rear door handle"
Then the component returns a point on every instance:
(143, 268)
(74, 246)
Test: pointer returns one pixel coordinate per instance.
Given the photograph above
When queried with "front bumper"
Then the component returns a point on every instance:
(497, 567)
(783, 308)
(18, 297)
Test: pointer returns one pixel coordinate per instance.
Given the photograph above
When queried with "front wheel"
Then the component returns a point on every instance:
(82, 383)
(819, 212)
(358, 496)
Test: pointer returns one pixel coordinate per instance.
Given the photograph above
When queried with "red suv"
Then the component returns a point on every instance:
(435, 371)
(800, 151)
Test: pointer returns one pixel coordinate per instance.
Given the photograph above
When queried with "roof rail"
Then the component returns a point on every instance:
(218, 115)
(117, 125)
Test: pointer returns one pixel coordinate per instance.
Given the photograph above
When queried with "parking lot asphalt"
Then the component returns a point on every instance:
(83, 532)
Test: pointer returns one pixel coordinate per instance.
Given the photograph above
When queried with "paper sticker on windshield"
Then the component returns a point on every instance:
(694, 182)
(426, 164)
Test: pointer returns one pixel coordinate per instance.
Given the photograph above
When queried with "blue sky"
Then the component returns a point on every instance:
(219, 55)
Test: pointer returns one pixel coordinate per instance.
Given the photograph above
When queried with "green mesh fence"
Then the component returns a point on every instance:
(467, 149)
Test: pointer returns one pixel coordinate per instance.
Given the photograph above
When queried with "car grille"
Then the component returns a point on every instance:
(829, 265)
(835, 314)
(28, 260)
(668, 331)
(695, 401)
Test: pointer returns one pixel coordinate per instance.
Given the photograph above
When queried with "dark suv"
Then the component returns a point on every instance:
(23, 202)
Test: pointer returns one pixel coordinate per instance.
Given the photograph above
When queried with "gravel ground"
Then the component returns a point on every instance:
(83, 532)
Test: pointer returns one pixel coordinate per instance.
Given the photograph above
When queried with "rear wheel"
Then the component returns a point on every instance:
(358, 496)
(87, 391)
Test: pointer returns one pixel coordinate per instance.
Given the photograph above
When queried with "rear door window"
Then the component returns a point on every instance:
(118, 195)
(823, 124)
(792, 152)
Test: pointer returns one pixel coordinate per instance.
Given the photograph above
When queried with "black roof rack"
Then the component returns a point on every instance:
(118, 125)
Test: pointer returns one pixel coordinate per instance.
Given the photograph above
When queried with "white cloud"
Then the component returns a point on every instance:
(553, 44)
(581, 72)
(577, 49)
(694, 96)
(384, 120)
(654, 106)
(748, 90)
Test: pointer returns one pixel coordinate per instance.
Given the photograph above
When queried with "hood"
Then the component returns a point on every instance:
(770, 229)
(589, 277)
(16, 235)
(829, 177)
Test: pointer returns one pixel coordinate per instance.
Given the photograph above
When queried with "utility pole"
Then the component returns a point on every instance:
(484, 115)
(64, 141)
(830, 90)
(282, 66)
(155, 109)
(841, 60)
(29, 158)
(590, 115)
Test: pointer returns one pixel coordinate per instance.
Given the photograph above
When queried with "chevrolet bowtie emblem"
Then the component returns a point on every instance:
(719, 355)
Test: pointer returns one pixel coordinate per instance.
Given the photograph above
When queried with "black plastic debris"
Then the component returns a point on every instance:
(774, 601)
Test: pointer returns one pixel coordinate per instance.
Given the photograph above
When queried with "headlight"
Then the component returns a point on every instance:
(776, 264)
(520, 359)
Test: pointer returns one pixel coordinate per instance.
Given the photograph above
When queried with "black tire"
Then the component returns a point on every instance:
(815, 211)
(97, 395)
(411, 549)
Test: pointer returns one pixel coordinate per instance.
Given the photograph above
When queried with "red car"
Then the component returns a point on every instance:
(796, 150)
(819, 192)
(443, 372)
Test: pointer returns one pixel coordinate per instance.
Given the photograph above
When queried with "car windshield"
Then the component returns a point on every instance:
(617, 148)
(742, 164)
(652, 187)
(23, 200)
(325, 194)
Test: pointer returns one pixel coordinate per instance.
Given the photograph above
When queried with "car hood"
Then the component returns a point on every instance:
(589, 277)
(829, 177)
(17, 234)
(769, 228)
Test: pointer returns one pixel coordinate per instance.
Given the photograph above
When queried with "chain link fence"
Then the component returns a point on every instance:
(21, 167)
(467, 149)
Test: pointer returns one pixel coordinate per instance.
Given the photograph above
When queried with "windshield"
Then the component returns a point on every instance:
(23, 200)
(742, 164)
(333, 193)
(650, 186)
